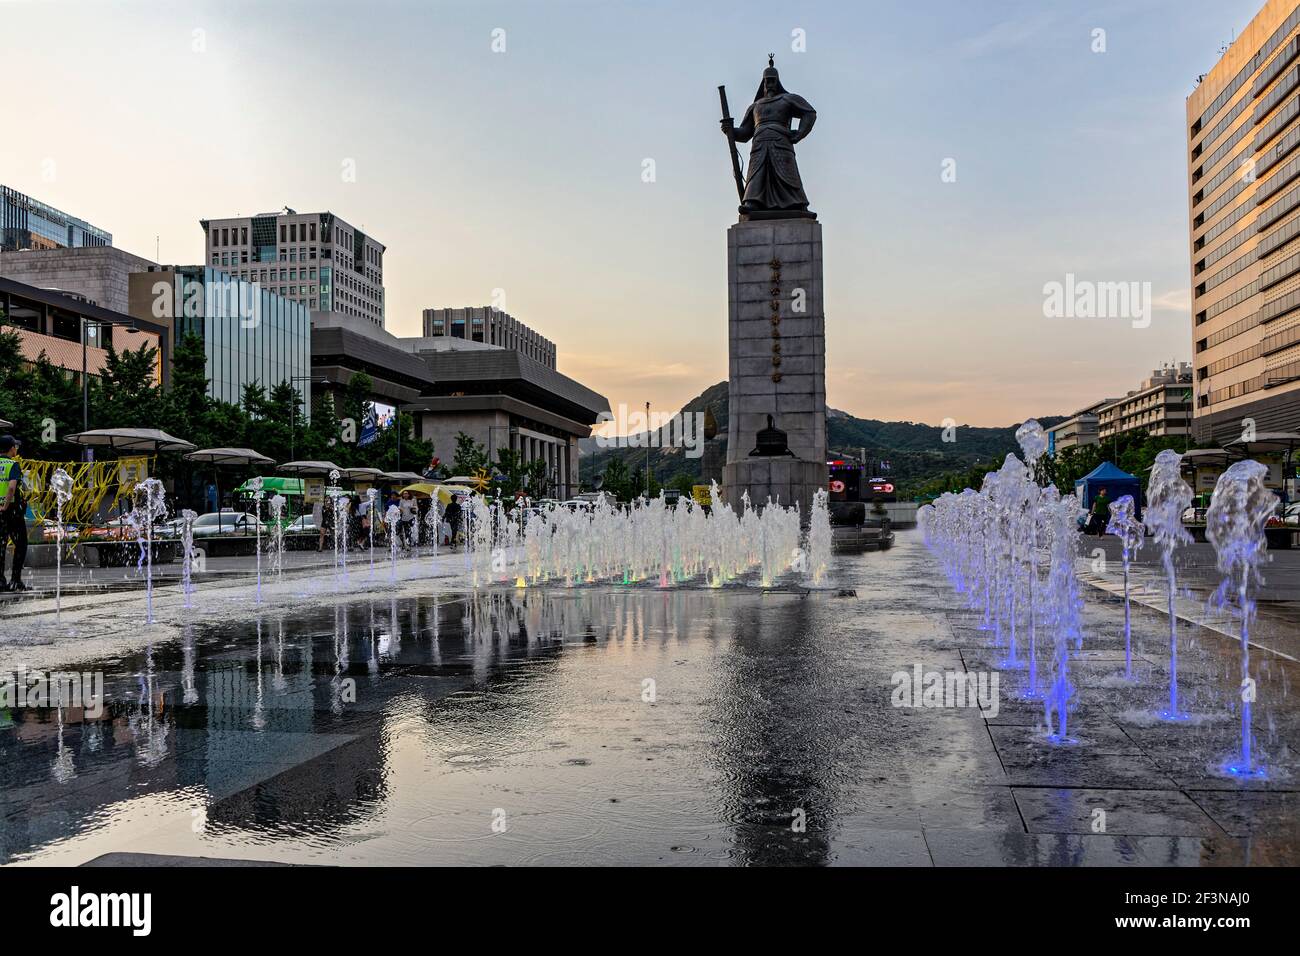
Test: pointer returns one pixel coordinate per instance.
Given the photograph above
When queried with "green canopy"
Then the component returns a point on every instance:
(277, 485)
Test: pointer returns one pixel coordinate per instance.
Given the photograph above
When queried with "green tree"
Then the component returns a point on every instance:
(516, 476)
(470, 456)
(682, 482)
(617, 480)
(187, 405)
(127, 393)
(320, 439)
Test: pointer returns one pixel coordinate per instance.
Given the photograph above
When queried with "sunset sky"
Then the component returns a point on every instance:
(522, 170)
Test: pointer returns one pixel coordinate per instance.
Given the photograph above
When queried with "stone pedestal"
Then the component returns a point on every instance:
(777, 359)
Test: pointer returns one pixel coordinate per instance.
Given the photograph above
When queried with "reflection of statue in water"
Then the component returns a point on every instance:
(773, 189)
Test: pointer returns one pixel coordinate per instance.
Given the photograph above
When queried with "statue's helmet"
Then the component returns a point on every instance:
(769, 74)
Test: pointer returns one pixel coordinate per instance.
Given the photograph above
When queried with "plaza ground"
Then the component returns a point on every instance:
(506, 726)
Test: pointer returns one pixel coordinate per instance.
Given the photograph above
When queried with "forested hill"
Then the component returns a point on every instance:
(915, 451)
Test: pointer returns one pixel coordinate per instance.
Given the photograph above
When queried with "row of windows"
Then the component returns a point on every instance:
(1274, 126)
(1274, 68)
(1278, 238)
(1220, 126)
(1228, 271)
(1283, 270)
(1222, 151)
(1223, 250)
(1288, 144)
(1276, 95)
(1221, 177)
(293, 230)
(1221, 336)
(1223, 225)
(230, 236)
(1280, 340)
(1279, 152)
(1278, 180)
(1231, 361)
(1228, 301)
(1226, 197)
(1272, 377)
(1277, 209)
(1279, 307)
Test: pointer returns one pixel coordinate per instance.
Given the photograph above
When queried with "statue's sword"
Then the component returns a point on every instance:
(731, 141)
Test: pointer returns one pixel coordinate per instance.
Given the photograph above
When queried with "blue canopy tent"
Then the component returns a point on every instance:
(1116, 481)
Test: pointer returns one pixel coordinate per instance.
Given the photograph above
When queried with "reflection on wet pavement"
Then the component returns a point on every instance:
(596, 726)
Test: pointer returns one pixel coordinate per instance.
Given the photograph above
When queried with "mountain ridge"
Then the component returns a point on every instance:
(913, 451)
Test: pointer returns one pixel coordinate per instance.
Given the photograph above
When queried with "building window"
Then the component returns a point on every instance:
(284, 231)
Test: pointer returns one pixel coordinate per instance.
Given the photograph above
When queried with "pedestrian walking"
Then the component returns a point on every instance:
(408, 512)
(1100, 513)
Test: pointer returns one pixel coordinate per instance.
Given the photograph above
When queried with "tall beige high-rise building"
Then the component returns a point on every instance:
(1243, 141)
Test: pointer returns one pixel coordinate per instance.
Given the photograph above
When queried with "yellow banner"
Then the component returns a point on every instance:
(94, 483)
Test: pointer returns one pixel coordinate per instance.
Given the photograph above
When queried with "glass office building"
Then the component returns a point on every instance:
(250, 335)
(26, 223)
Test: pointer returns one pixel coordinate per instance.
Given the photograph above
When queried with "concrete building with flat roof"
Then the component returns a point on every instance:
(316, 259)
(504, 399)
(99, 274)
(1161, 406)
(490, 326)
(1243, 156)
(499, 396)
(1078, 430)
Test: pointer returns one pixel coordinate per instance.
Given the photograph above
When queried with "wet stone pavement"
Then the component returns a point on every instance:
(643, 726)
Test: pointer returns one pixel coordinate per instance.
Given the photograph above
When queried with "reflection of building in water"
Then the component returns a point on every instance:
(281, 729)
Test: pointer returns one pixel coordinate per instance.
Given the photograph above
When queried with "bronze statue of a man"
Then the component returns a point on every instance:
(773, 188)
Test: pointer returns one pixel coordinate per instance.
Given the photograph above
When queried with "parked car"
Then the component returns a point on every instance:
(303, 524)
(208, 525)
(1290, 514)
(121, 528)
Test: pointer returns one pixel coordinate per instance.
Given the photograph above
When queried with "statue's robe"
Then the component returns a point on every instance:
(772, 179)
